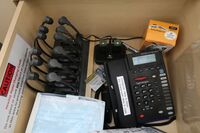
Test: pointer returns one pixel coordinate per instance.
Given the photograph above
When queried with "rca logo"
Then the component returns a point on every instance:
(5, 85)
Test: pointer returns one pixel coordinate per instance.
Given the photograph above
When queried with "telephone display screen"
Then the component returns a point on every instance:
(144, 59)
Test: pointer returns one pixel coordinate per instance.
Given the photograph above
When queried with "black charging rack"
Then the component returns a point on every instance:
(82, 68)
(66, 65)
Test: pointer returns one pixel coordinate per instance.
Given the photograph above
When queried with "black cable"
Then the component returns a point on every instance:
(70, 86)
(40, 59)
(109, 37)
(47, 44)
(97, 94)
(38, 44)
(93, 36)
(44, 82)
(32, 88)
(38, 69)
(68, 34)
(74, 28)
(131, 38)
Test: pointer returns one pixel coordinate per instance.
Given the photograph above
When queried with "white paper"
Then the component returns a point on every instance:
(123, 95)
(70, 114)
(10, 102)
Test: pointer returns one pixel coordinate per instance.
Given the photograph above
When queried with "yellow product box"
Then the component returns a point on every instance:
(161, 34)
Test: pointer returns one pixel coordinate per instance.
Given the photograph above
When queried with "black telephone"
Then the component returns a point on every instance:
(139, 89)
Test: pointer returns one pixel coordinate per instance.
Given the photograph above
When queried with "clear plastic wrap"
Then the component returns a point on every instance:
(187, 85)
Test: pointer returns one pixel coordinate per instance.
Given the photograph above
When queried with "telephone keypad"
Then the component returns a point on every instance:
(144, 91)
(137, 92)
(138, 98)
(149, 85)
(152, 92)
(138, 103)
(136, 86)
(143, 85)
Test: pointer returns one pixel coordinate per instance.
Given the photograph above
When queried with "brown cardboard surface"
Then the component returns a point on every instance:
(113, 17)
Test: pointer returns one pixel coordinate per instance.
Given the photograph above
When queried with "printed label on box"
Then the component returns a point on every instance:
(12, 84)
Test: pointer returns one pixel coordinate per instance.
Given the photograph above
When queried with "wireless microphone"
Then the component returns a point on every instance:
(53, 63)
(47, 20)
(53, 77)
(60, 77)
(60, 53)
(43, 29)
(33, 76)
(36, 62)
(62, 29)
(62, 38)
(59, 50)
(41, 36)
(36, 51)
(63, 20)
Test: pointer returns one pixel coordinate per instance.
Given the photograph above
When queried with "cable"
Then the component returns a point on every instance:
(109, 37)
(32, 88)
(131, 38)
(43, 59)
(38, 69)
(47, 44)
(93, 36)
(97, 93)
(44, 82)
(38, 44)
(40, 59)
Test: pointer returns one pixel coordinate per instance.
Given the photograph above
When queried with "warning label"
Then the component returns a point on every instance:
(5, 85)
(12, 84)
(123, 95)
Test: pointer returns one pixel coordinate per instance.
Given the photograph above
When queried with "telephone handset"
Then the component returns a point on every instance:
(139, 89)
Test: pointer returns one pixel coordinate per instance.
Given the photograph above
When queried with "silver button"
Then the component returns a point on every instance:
(163, 78)
(137, 92)
(144, 96)
(144, 91)
(164, 81)
(164, 85)
(170, 113)
(160, 112)
(153, 76)
(161, 70)
(138, 98)
(169, 108)
(163, 74)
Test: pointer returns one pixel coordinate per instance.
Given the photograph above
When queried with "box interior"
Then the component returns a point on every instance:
(124, 18)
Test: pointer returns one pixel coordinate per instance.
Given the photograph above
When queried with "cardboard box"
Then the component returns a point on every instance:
(123, 19)
(161, 33)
